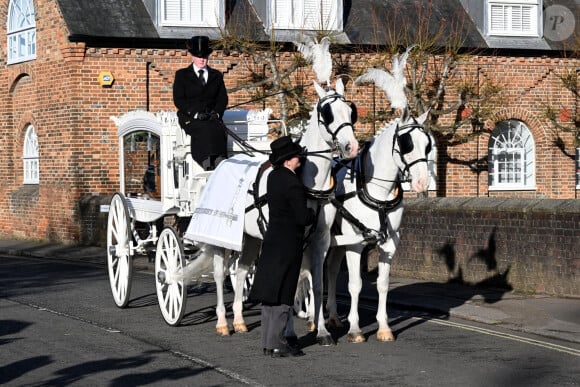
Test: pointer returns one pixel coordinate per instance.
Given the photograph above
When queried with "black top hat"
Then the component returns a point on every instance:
(284, 149)
(199, 46)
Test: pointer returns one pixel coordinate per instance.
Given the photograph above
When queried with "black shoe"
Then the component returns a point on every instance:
(267, 352)
(287, 352)
(292, 342)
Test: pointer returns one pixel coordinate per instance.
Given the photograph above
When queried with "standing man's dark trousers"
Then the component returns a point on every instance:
(274, 319)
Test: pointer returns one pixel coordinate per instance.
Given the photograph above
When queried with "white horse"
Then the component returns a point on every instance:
(370, 211)
(330, 130)
(375, 198)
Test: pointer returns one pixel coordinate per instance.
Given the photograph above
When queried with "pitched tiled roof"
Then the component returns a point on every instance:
(108, 18)
(366, 22)
(379, 21)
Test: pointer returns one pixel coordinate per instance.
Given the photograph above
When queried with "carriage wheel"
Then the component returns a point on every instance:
(171, 287)
(119, 257)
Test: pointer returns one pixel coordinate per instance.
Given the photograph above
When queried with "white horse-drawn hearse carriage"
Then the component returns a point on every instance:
(160, 185)
(161, 188)
(163, 193)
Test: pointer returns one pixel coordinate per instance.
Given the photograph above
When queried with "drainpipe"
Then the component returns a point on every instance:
(148, 66)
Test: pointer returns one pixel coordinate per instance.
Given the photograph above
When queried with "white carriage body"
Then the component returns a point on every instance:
(180, 178)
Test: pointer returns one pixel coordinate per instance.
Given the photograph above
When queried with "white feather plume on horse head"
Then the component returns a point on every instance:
(393, 83)
(319, 55)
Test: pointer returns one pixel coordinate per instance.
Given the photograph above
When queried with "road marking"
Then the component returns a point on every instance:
(538, 343)
(434, 320)
(230, 374)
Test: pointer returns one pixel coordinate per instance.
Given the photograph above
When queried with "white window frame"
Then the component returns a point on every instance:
(306, 15)
(21, 31)
(30, 163)
(514, 17)
(192, 13)
(512, 157)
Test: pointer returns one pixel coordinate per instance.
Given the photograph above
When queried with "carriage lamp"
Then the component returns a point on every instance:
(106, 78)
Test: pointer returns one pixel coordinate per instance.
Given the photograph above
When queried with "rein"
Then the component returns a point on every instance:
(241, 142)
(312, 194)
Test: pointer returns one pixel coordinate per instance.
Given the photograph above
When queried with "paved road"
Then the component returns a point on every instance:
(550, 317)
(59, 326)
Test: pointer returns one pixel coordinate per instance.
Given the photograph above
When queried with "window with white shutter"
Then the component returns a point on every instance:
(192, 13)
(21, 31)
(318, 15)
(513, 17)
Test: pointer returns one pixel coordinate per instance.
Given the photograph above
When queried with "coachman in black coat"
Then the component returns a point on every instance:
(279, 263)
(201, 107)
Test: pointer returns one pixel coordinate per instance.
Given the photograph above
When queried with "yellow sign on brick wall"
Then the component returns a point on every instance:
(106, 78)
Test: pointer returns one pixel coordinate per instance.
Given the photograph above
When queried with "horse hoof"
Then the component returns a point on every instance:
(334, 323)
(222, 330)
(240, 327)
(310, 326)
(355, 338)
(325, 341)
(385, 335)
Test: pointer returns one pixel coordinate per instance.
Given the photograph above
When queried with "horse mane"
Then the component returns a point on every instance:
(402, 118)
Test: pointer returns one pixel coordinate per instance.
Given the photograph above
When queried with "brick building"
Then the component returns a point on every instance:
(59, 149)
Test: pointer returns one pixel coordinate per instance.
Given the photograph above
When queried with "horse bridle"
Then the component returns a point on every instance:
(405, 144)
(325, 112)
(326, 117)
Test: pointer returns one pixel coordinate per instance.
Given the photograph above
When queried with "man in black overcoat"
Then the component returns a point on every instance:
(200, 95)
(279, 264)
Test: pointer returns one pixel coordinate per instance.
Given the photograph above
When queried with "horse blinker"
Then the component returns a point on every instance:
(328, 116)
(405, 143)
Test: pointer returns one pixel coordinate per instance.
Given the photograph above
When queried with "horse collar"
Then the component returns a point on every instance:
(323, 195)
(361, 186)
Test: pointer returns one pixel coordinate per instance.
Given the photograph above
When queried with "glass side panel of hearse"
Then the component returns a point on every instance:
(141, 157)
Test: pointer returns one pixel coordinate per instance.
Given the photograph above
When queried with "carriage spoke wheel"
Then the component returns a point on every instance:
(119, 259)
(169, 281)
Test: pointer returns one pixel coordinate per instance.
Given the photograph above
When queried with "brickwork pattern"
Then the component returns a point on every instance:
(529, 245)
(60, 95)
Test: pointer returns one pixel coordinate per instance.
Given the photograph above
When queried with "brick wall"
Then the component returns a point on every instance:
(60, 95)
(529, 245)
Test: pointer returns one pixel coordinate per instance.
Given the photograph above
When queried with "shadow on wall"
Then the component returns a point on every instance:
(440, 298)
(486, 255)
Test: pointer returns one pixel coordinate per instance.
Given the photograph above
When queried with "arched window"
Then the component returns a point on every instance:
(30, 157)
(511, 157)
(21, 31)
